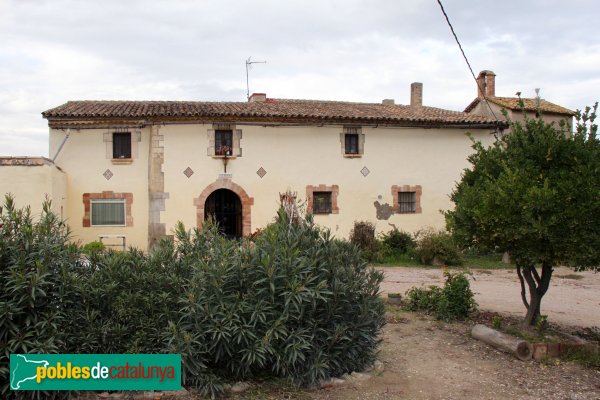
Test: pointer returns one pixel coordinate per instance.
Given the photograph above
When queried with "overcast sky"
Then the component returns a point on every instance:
(52, 51)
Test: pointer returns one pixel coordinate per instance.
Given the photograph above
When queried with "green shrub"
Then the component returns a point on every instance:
(93, 248)
(294, 303)
(432, 244)
(363, 235)
(421, 299)
(454, 301)
(398, 241)
(35, 260)
(457, 300)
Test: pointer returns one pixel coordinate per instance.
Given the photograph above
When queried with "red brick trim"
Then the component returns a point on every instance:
(406, 188)
(334, 189)
(246, 200)
(87, 221)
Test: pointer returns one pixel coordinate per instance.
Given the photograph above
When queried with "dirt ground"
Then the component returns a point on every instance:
(427, 359)
(432, 360)
(569, 301)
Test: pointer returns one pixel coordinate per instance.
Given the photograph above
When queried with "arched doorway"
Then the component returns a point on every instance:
(226, 208)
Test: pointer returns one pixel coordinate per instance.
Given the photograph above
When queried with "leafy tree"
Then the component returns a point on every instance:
(536, 194)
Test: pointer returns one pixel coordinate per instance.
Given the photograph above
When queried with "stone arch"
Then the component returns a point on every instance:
(246, 200)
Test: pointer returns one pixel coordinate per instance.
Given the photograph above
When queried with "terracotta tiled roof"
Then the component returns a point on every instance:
(530, 104)
(272, 110)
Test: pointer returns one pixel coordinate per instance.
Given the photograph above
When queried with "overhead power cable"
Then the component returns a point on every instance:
(466, 60)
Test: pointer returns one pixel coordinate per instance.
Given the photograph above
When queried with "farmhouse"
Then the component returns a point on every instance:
(128, 171)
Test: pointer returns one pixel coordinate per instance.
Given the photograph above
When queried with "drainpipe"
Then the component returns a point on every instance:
(62, 144)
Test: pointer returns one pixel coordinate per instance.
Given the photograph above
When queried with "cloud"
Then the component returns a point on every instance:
(54, 51)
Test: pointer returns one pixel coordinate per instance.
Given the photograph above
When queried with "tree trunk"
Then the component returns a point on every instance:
(537, 286)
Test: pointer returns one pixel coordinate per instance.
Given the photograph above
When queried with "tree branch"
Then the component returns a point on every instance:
(546, 276)
(528, 275)
(523, 293)
(535, 275)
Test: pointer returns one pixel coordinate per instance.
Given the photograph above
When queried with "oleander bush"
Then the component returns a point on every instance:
(293, 303)
(296, 304)
(35, 260)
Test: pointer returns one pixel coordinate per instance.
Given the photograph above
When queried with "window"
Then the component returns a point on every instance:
(322, 199)
(107, 208)
(407, 199)
(107, 212)
(122, 145)
(351, 143)
(321, 202)
(223, 142)
(407, 202)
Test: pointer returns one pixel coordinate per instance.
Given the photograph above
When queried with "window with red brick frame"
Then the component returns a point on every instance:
(107, 196)
(407, 199)
(319, 194)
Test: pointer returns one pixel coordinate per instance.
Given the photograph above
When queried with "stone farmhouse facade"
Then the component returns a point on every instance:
(128, 171)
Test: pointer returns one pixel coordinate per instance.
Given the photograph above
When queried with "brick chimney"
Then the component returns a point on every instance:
(257, 97)
(416, 94)
(486, 84)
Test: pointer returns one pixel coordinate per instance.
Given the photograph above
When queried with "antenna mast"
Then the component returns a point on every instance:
(249, 63)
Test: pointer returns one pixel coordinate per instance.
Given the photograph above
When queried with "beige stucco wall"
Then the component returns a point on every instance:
(31, 184)
(84, 160)
(295, 157)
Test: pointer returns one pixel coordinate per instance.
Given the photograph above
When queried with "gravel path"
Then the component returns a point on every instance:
(572, 302)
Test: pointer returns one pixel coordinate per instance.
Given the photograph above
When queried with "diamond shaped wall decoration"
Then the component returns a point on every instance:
(108, 174)
(188, 172)
(261, 172)
(365, 171)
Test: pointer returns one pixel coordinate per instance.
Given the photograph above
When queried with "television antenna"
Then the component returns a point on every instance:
(249, 63)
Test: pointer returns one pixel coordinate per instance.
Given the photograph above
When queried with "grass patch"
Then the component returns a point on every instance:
(491, 261)
(570, 276)
(584, 357)
(400, 260)
(485, 262)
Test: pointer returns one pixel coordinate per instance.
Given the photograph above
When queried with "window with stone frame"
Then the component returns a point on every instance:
(353, 141)
(122, 144)
(224, 140)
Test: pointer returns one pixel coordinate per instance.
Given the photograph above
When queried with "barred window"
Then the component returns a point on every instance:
(407, 202)
(321, 202)
(223, 142)
(122, 145)
(107, 212)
